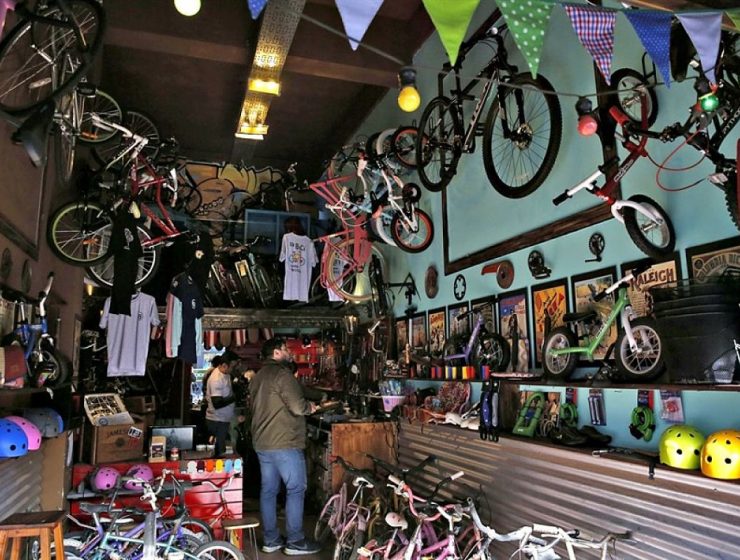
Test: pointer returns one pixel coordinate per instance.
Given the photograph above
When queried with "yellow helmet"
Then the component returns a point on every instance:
(720, 456)
(680, 447)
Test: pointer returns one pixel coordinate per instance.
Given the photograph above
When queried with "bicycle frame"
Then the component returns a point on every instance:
(471, 341)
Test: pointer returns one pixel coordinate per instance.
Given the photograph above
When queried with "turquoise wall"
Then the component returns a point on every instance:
(479, 216)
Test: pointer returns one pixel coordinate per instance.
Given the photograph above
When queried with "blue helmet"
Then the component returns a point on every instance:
(13, 440)
(47, 420)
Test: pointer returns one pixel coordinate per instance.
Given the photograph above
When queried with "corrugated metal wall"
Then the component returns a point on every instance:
(21, 484)
(676, 515)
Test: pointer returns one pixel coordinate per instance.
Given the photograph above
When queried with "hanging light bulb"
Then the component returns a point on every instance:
(408, 98)
(187, 7)
(587, 123)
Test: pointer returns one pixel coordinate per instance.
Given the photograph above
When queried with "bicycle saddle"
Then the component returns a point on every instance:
(581, 316)
(396, 521)
(94, 508)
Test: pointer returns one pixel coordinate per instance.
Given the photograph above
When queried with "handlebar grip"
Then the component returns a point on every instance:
(618, 115)
(639, 269)
(558, 200)
(458, 474)
(395, 480)
(601, 295)
(546, 529)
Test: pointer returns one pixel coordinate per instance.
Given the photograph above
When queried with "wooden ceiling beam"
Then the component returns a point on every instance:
(338, 71)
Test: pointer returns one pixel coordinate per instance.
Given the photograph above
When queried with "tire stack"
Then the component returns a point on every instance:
(698, 324)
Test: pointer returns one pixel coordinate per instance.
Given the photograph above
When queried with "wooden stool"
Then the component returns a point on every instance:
(38, 524)
(248, 523)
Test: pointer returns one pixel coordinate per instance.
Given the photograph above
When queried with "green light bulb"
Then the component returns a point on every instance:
(709, 102)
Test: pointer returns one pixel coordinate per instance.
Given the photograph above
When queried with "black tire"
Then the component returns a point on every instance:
(149, 262)
(731, 194)
(56, 364)
(200, 529)
(65, 142)
(39, 45)
(640, 368)
(455, 344)
(624, 81)
(139, 123)
(263, 287)
(413, 241)
(559, 367)
(106, 107)
(322, 530)
(403, 145)
(531, 154)
(218, 550)
(345, 544)
(493, 351)
(653, 239)
(380, 304)
(438, 147)
(74, 232)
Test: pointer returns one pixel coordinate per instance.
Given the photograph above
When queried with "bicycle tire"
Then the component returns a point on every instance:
(646, 333)
(454, 344)
(263, 287)
(106, 107)
(542, 116)
(731, 199)
(322, 530)
(559, 367)
(403, 145)
(354, 286)
(42, 57)
(439, 136)
(624, 81)
(200, 529)
(413, 241)
(377, 284)
(493, 351)
(149, 262)
(218, 550)
(189, 200)
(138, 123)
(64, 154)
(380, 225)
(345, 165)
(346, 541)
(86, 218)
(59, 370)
(639, 228)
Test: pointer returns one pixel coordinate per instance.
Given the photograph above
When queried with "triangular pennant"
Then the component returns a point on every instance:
(705, 30)
(357, 15)
(451, 19)
(595, 30)
(527, 22)
(654, 31)
(734, 15)
(256, 7)
(5, 5)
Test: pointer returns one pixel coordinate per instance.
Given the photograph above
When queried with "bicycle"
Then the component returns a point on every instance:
(638, 349)
(482, 348)
(521, 133)
(47, 52)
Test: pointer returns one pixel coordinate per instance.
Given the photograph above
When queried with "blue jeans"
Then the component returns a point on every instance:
(288, 466)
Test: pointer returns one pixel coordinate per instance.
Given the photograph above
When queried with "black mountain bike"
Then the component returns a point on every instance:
(521, 134)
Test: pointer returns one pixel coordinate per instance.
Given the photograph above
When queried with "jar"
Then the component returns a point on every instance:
(174, 454)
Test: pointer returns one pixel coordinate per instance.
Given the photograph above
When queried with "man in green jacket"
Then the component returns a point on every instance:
(279, 437)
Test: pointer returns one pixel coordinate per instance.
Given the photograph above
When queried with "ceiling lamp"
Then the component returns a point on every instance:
(187, 7)
(408, 98)
(258, 85)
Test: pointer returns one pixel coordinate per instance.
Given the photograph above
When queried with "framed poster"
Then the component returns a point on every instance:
(549, 304)
(402, 334)
(455, 326)
(585, 287)
(667, 271)
(487, 305)
(436, 330)
(419, 331)
(512, 320)
(714, 259)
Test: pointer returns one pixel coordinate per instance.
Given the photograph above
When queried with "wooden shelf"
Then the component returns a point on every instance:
(225, 318)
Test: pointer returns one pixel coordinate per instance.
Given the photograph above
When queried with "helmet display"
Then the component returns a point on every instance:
(140, 472)
(13, 440)
(720, 456)
(680, 447)
(103, 479)
(33, 435)
(47, 420)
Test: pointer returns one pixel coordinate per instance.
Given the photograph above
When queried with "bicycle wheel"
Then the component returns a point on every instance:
(344, 164)
(493, 351)
(262, 285)
(195, 527)
(377, 283)
(49, 367)
(346, 543)
(562, 366)
(438, 148)
(625, 81)
(655, 239)
(188, 200)
(106, 107)
(647, 363)
(731, 198)
(403, 145)
(323, 528)
(218, 550)
(522, 136)
(75, 233)
(103, 272)
(413, 239)
(380, 225)
(138, 123)
(65, 140)
(454, 344)
(348, 280)
(32, 56)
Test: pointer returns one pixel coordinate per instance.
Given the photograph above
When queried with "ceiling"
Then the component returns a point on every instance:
(190, 73)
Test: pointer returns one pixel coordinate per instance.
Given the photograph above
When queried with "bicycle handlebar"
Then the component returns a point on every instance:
(364, 473)
(624, 281)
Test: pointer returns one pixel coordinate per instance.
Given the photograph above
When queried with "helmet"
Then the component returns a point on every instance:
(141, 472)
(680, 447)
(32, 432)
(103, 479)
(47, 420)
(720, 456)
(13, 440)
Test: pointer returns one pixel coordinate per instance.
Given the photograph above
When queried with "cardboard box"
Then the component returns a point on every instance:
(111, 444)
(106, 409)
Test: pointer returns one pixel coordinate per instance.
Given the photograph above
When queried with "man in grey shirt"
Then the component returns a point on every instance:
(220, 399)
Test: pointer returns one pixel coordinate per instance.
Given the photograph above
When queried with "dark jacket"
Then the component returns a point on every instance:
(278, 409)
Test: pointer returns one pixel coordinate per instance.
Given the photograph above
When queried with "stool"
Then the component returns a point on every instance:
(40, 524)
(248, 523)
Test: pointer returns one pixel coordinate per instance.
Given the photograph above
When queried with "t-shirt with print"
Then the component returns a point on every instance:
(299, 256)
(219, 385)
(128, 335)
(186, 290)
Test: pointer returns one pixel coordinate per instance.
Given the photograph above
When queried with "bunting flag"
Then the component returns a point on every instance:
(357, 15)
(704, 29)
(5, 5)
(595, 30)
(734, 15)
(256, 7)
(527, 22)
(451, 19)
(654, 31)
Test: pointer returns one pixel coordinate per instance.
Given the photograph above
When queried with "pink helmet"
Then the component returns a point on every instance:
(32, 432)
(103, 479)
(140, 472)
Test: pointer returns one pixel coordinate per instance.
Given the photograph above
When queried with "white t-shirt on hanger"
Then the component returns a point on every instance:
(299, 255)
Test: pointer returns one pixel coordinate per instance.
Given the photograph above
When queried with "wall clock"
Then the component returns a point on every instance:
(6, 265)
(459, 287)
(431, 282)
(26, 277)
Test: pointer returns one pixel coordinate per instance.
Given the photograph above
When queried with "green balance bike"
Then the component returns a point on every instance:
(639, 350)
